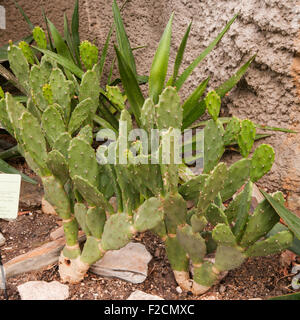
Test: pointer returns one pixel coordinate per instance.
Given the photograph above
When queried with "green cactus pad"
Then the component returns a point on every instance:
(80, 212)
(148, 115)
(168, 165)
(95, 220)
(215, 215)
(118, 231)
(82, 161)
(86, 134)
(223, 235)
(14, 110)
(115, 95)
(213, 104)
(62, 143)
(260, 223)
(47, 93)
(176, 255)
(262, 161)
(148, 215)
(61, 90)
(39, 37)
(272, 245)
(160, 230)
(232, 131)
(91, 194)
(57, 197)
(88, 54)
(90, 88)
(211, 244)
(58, 165)
(212, 186)
(71, 232)
(246, 137)
(175, 211)
(34, 141)
(192, 243)
(19, 65)
(168, 110)
(4, 119)
(27, 52)
(243, 209)
(39, 76)
(278, 195)
(1, 93)
(91, 252)
(79, 115)
(191, 189)
(198, 223)
(238, 174)
(213, 144)
(204, 275)
(228, 258)
(53, 124)
(33, 109)
(71, 253)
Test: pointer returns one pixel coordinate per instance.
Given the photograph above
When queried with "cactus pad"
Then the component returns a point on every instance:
(262, 161)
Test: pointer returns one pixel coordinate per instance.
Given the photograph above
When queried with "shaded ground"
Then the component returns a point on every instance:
(258, 277)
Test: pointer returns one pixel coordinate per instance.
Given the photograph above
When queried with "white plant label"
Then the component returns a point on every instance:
(10, 185)
(2, 18)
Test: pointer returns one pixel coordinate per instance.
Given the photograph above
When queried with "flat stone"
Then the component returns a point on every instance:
(2, 239)
(42, 290)
(37, 258)
(47, 208)
(140, 295)
(31, 194)
(129, 263)
(57, 233)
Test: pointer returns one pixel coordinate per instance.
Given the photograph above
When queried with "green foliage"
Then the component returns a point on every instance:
(39, 37)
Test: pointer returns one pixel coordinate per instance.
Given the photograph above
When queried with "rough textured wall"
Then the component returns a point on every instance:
(17, 28)
(269, 28)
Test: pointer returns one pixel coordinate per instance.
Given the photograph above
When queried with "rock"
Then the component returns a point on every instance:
(2, 239)
(42, 290)
(57, 233)
(287, 257)
(222, 289)
(129, 263)
(37, 258)
(140, 295)
(47, 207)
(179, 290)
(255, 299)
(31, 194)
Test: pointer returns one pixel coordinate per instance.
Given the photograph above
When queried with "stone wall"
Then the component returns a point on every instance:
(268, 94)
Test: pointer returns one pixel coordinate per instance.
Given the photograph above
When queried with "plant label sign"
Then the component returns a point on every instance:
(10, 185)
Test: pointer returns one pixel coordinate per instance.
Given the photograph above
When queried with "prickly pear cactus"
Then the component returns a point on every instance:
(39, 37)
(88, 54)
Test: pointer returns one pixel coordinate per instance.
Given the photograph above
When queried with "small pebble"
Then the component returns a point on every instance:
(2, 240)
(179, 290)
(222, 289)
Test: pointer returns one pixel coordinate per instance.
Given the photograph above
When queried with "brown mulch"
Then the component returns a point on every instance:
(256, 278)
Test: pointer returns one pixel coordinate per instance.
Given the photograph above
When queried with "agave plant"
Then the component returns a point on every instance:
(78, 56)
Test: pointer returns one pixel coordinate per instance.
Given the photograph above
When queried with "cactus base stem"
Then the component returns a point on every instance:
(72, 270)
(183, 280)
